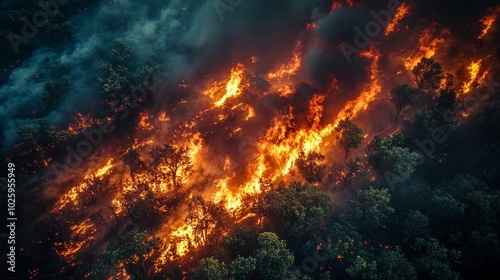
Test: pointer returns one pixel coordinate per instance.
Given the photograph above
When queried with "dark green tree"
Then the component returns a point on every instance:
(296, 210)
(273, 258)
(211, 269)
(416, 225)
(393, 265)
(433, 260)
(133, 251)
(387, 158)
(402, 96)
(372, 206)
(243, 268)
(349, 136)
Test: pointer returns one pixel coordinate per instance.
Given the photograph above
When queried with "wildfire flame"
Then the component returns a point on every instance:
(428, 47)
(233, 85)
(488, 20)
(403, 10)
(72, 195)
(369, 93)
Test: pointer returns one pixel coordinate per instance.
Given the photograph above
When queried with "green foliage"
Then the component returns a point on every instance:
(387, 158)
(211, 269)
(372, 206)
(56, 91)
(114, 79)
(434, 261)
(123, 72)
(132, 252)
(120, 53)
(349, 136)
(242, 268)
(310, 166)
(296, 210)
(416, 225)
(421, 125)
(363, 268)
(273, 258)
(40, 139)
(241, 241)
(393, 265)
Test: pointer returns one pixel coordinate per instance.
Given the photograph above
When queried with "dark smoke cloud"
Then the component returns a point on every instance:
(191, 41)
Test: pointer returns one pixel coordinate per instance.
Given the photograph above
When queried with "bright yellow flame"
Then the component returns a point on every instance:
(474, 77)
(233, 85)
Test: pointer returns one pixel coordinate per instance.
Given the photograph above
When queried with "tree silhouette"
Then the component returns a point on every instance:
(349, 136)
(402, 96)
(428, 74)
(206, 218)
(171, 162)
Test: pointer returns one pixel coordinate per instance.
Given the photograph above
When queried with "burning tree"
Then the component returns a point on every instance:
(206, 218)
(134, 162)
(169, 162)
(310, 166)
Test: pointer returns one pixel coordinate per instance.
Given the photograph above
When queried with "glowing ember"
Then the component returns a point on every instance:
(81, 236)
(144, 124)
(81, 123)
(311, 26)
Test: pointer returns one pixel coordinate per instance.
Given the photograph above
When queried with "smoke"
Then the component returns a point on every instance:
(191, 41)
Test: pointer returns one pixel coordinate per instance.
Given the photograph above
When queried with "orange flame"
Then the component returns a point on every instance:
(474, 78)
(72, 195)
(403, 10)
(233, 85)
(427, 49)
(369, 92)
(488, 20)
